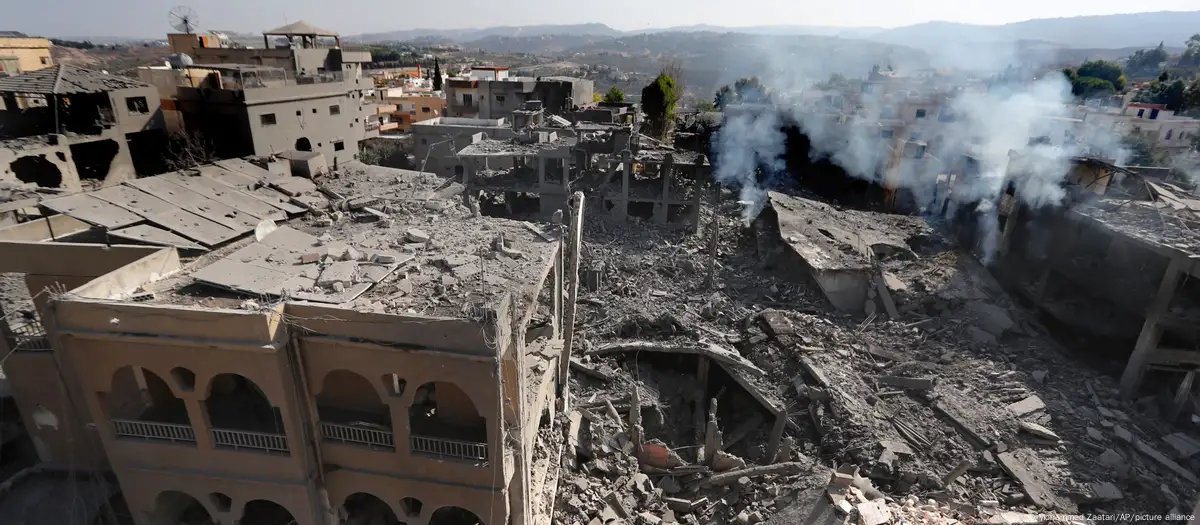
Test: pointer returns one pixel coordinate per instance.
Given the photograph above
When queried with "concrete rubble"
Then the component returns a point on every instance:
(960, 408)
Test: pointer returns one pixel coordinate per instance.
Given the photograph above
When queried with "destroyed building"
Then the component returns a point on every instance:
(1120, 262)
(67, 127)
(241, 346)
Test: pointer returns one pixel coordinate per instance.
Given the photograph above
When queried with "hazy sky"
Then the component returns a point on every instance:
(148, 18)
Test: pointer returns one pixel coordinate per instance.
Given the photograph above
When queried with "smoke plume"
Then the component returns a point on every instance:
(1018, 131)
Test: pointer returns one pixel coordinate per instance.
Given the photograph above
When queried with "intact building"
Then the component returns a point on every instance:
(499, 98)
(303, 93)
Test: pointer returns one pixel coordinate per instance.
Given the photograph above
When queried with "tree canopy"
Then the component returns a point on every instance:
(437, 75)
(1147, 61)
(746, 89)
(1104, 70)
(1163, 91)
(614, 96)
(1191, 55)
(659, 100)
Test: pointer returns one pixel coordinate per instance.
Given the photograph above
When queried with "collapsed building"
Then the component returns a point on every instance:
(66, 127)
(528, 167)
(240, 345)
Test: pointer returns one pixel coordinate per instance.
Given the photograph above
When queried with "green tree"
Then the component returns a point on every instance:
(1146, 61)
(437, 75)
(614, 96)
(1104, 70)
(1089, 87)
(1191, 97)
(745, 89)
(1141, 148)
(705, 106)
(1191, 55)
(659, 100)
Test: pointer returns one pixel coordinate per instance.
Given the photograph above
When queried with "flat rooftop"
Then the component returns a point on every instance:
(515, 147)
(405, 243)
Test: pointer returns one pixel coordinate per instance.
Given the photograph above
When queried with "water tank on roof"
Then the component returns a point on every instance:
(179, 60)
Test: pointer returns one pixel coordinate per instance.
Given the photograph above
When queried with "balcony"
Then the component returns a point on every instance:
(142, 407)
(445, 424)
(448, 448)
(374, 438)
(251, 441)
(367, 428)
(351, 413)
(153, 431)
(243, 418)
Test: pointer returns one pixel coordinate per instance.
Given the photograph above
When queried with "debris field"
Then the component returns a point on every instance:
(950, 405)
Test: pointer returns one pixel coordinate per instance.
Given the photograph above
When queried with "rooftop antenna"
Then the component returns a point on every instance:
(183, 19)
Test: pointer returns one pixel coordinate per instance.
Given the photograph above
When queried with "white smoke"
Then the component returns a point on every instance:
(1016, 132)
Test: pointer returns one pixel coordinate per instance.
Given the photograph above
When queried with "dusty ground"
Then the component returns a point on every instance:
(957, 328)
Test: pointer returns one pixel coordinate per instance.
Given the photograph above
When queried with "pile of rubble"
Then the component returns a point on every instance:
(962, 398)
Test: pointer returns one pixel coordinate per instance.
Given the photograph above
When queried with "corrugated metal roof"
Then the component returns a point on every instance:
(66, 80)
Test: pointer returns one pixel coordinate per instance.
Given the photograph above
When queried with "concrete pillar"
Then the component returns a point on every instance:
(1151, 331)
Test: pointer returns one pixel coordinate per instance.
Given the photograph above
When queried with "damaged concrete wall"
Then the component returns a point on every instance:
(37, 161)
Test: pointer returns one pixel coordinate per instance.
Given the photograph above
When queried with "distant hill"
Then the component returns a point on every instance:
(1135, 30)
(468, 35)
(781, 30)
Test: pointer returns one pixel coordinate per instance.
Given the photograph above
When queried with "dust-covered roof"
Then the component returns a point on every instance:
(67, 80)
(413, 248)
(493, 147)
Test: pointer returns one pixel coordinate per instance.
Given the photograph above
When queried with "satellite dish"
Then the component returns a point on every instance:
(183, 19)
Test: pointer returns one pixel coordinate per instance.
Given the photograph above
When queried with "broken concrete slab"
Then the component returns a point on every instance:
(339, 272)
(873, 513)
(991, 318)
(1025, 467)
(1184, 446)
(724, 461)
(1163, 460)
(416, 236)
(1114, 460)
(1025, 406)
(1106, 491)
(1016, 518)
(910, 383)
(1039, 431)
(725, 356)
(835, 245)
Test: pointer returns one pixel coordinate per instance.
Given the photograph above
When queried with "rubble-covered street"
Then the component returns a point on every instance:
(962, 408)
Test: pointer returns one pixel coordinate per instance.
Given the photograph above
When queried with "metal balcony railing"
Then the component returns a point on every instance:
(356, 435)
(448, 448)
(30, 337)
(149, 430)
(242, 439)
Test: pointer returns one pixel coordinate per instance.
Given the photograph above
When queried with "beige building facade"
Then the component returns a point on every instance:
(292, 412)
(23, 54)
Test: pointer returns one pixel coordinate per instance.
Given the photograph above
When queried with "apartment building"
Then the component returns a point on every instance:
(1169, 131)
(304, 374)
(303, 92)
(20, 53)
(499, 98)
(68, 126)
(415, 107)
